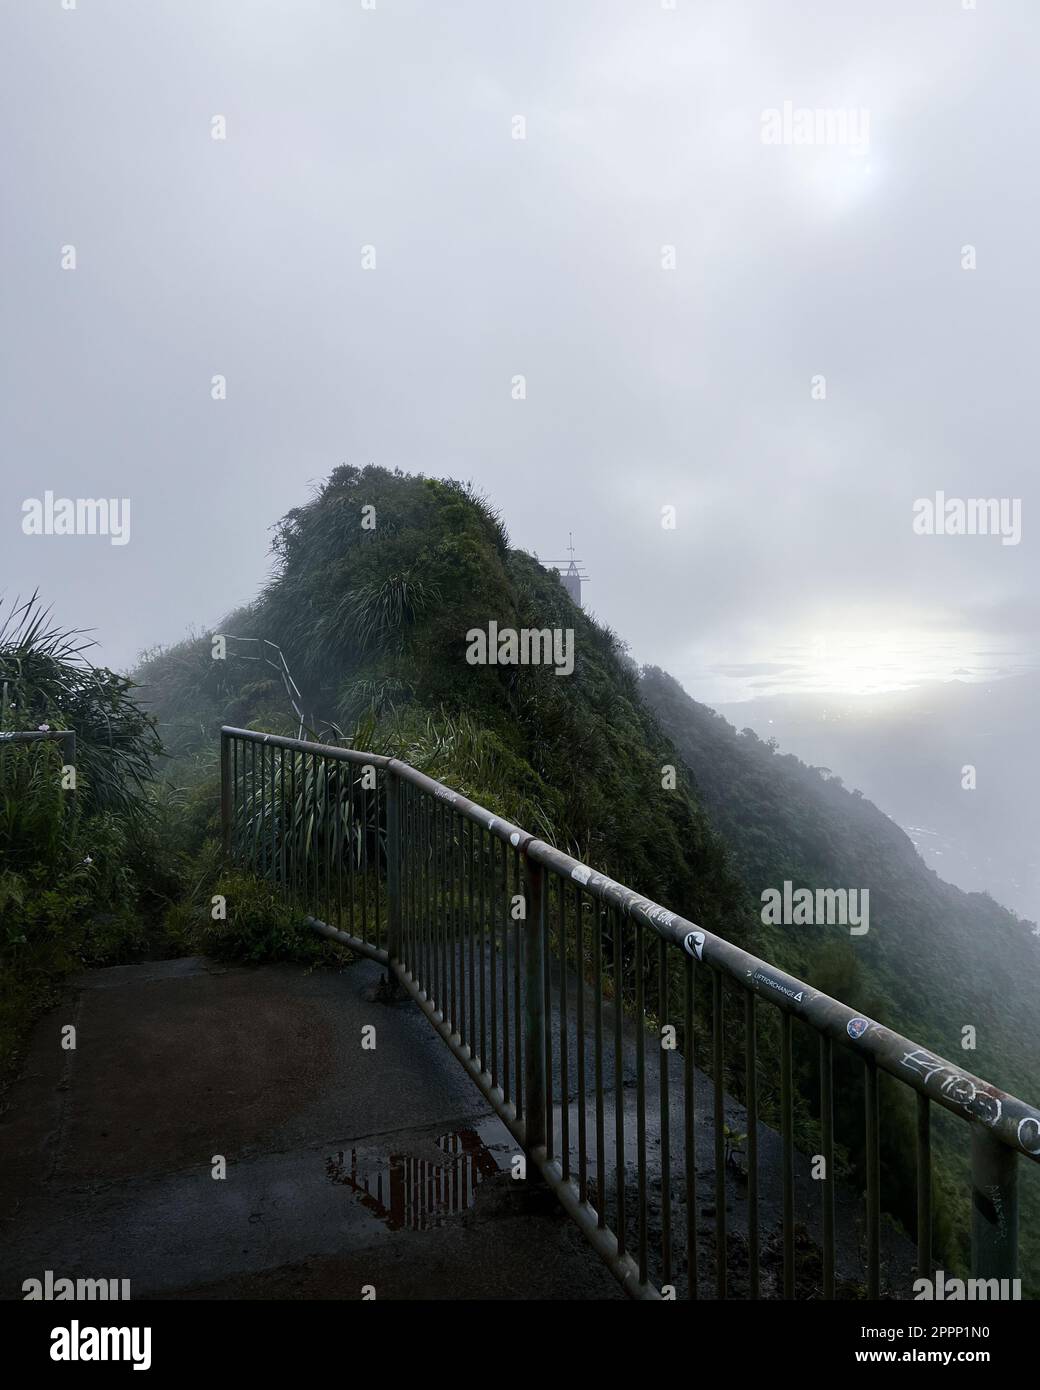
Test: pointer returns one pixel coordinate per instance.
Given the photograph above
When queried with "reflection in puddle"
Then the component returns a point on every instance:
(416, 1194)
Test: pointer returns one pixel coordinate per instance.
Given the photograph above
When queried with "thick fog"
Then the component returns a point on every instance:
(372, 256)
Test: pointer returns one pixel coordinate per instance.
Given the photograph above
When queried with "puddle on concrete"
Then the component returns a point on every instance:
(417, 1194)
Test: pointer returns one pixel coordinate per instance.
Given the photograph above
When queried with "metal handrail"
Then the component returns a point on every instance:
(424, 935)
(66, 737)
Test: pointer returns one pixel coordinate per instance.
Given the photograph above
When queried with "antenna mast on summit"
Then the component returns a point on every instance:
(571, 571)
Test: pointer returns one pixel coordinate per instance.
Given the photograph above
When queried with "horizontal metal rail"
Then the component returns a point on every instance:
(66, 737)
(573, 1003)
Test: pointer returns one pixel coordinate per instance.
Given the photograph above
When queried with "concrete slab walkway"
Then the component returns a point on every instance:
(347, 1167)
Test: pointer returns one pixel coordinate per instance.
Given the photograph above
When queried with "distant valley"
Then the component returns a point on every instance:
(905, 750)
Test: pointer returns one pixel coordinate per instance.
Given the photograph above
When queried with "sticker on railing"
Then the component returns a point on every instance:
(492, 822)
(446, 795)
(760, 977)
(856, 1027)
(694, 944)
(514, 839)
(581, 873)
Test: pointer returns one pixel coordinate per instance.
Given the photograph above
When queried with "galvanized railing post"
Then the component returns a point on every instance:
(393, 867)
(994, 1207)
(534, 1012)
(225, 792)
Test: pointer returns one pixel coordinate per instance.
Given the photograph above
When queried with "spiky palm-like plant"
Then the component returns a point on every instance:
(47, 680)
(377, 612)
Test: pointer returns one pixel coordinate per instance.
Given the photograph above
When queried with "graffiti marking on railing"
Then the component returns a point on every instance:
(960, 1089)
(659, 915)
(1033, 1148)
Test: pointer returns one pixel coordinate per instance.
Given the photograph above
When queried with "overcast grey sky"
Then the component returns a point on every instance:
(793, 562)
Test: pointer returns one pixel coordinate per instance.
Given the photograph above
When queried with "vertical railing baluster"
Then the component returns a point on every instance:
(326, 839)
(518, 1006)
(412, 843)
(377, 824)
(447, 842)
(689, 1131)
(255, 814)
(262, 818)
(315, 822)
(251, 810)
(619, 1086)
(994, 1209)
(225, 792)
(236, 824)
(432, 912)
(363, 875)
(827, 1138)
(471, 934)
(483, 847)
(460, 917)
(873, 1159)
(427, 836)
(493, 977)
(719, 1065)
(342, 770)
(597, 983)
(552, 882)
(751, 1108)
(787, 1137)
(294, 827)
(579, 972)
(282, 824)
(664, 1018)
(504, 919)
(924, 1186)
(641, 1100)
(565, 1094)
(274, 818)
(450, 887)
(351, 856)
(392, 802)
(438, 890)
(534, 1012)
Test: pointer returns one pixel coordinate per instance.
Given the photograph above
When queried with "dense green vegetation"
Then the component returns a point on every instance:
(106, 863)
(83, 866)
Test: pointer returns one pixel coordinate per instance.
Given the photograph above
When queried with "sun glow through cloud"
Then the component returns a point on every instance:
(852, 661)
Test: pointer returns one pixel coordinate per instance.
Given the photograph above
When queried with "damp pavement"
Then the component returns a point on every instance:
(347, 1169)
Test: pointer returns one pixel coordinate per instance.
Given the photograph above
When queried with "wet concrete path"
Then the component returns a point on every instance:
(347, 1168)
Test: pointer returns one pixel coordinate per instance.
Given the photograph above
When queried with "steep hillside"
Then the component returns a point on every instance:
(907, 749)
(372, 620)
(934, 960)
